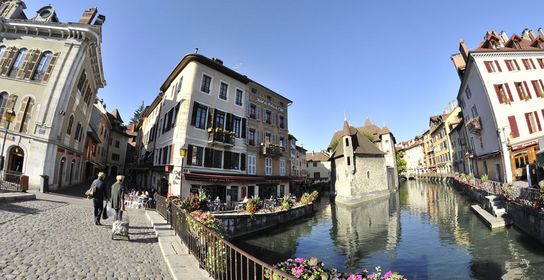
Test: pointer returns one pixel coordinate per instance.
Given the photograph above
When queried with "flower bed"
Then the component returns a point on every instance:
(313, 269)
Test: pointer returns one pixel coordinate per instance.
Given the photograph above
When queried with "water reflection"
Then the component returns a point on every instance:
(425, 231)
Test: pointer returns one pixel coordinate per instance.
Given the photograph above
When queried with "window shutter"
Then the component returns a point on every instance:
(33, 63)
(488, 67)
(211, 117)
(247, 110)
(50, 67)
(532, 63)
(541, 63)
(520, 95)
(258, 113)
(243, 162)
(24, 66)
(541, 88)
(509, 92)
(9, 105)
(508, 64)
(499, 96)
(528, 120)
(525, 63)
(244, 128)
(24, 115)
(193, 117)
(189, 155)
(228, 125)
(516, 63)
(498, 65)
(7, 61)
(527, 89)
(537, 121)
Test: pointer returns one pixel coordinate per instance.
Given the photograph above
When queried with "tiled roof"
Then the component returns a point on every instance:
(319, 156)
(361, 143)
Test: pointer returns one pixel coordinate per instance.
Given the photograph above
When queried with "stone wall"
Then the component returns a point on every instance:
(240, 224)
(528, 219)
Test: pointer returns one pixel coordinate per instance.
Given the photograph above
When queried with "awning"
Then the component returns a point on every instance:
(223, 178)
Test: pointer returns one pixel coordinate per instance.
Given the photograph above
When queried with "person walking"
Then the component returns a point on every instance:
(98, 196)
(117, 197)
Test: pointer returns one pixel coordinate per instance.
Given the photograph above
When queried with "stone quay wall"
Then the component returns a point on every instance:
(239, 224)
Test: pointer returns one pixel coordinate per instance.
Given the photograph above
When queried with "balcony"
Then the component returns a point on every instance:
(474, 125)
(271, 150)
(222, 137)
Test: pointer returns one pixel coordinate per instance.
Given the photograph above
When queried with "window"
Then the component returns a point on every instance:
(503, 93)
(236, 126)
(492, 66)
(533, 122)
(267, 166)
(251, 137)
(523, 91)
(81, 82)
(539, 60)
(268, 138)
(315, 164)
(349, 161)
(347, 142)
(232, 160)
(194, 155)
(219, 119)
(539, 88)
(45, 60)
(117, 143)
(282, 142)
(206, 82)
(268, 117)
(115, 157)
(282, 122)
(88, 95)
(528, 63)
(282, 167)
(317, 175)
(19, 59)
(468, 92)
(178, 85)
(223, 91)
(78, 130)
(512, 65)
(3, 100)
(239, 96)
(217, 159)
(269, 99)
(70, 124)
(2, 51)
(253, 90)
(199, 115)
(252, 111)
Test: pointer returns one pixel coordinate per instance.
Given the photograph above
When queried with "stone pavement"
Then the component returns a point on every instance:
(54, 237)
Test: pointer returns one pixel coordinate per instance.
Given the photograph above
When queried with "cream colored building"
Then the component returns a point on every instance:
(50, 73)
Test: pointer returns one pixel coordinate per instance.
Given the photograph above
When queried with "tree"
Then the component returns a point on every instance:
(137, 114)
(401, 163)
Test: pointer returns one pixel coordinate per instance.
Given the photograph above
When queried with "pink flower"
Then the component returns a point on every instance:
(387, 275)
(299, 260)
(370, 276)
(355, 277)
(297, 271)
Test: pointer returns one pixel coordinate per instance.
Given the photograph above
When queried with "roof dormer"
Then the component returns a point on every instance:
(46, 14)
(514, 42)
(492, 41)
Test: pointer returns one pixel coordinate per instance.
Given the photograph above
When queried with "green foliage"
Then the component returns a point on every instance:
(484, 178)
(508, 191)
(253, 204)
(137, 114)
(286, 203)
(307, 198)
(401, 162)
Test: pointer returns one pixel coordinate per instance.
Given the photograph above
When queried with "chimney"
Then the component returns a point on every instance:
(532, 35)
(526, 34)
(88, 16)
(217, 60)
(504, 37)
(459, 64)
(100, 20)
(463, 50)
(541, 31)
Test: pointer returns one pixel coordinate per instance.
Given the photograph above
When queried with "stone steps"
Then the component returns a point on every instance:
(491, 221)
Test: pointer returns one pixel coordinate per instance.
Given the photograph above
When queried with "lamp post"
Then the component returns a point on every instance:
(9, 115)
(182, 153)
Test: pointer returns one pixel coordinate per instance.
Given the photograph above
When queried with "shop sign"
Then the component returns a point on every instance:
(524, 145)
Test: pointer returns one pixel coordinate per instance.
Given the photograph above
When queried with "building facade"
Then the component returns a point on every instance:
(415, 157)
(500, 96)
(49, 79)
(319, 167)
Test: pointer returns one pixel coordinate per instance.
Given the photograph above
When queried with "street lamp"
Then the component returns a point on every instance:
(9, 115)
(182, 153)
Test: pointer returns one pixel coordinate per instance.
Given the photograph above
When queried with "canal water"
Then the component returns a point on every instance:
(425, 231)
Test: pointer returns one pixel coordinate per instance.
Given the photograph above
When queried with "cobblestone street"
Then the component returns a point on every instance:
(55, 238)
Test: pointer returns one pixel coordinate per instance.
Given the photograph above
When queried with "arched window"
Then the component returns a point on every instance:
(25, 111)
(70, 124)
(18, 62)
(78, 131)
(88, 94)
(45, 60)
(3, 100)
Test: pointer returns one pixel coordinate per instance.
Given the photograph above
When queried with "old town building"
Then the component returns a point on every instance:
(214, 130)
(501, 99)
(319, 167)
(50, 72)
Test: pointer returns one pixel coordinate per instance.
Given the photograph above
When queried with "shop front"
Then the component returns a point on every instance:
(522, 155)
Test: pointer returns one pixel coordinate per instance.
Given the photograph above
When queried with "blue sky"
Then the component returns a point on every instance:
(388, 60)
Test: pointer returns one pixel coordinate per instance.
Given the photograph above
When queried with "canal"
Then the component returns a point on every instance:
(425, 231)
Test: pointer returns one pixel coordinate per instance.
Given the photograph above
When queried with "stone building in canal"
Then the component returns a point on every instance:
(359, 168)
(50, 72)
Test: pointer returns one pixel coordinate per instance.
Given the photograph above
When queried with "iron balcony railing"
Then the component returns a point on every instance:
(224, 137)
(474, 125)
(220, 258)
(272, 149)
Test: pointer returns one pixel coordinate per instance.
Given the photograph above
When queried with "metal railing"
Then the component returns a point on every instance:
(220, 258)
(11, 181)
